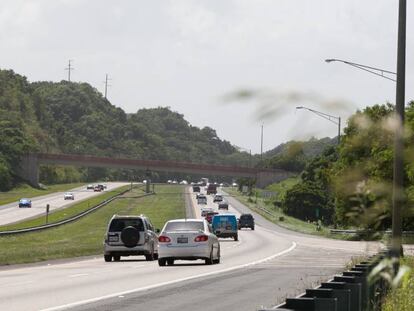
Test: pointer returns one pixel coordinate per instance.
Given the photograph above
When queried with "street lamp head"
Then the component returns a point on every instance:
(299, 107)
(329, 60)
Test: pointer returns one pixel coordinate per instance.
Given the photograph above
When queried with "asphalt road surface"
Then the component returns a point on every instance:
(261, 269)
(11, 213)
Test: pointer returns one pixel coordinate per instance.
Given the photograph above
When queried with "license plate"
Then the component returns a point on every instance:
(113, 238)
(182, 240)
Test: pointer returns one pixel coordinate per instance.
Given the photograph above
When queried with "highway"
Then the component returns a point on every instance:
(11, 213)
(262, 268)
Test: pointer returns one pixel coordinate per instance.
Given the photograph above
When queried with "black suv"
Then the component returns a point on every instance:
(246, 221)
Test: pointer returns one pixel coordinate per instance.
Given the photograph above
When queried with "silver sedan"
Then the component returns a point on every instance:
(188, 239)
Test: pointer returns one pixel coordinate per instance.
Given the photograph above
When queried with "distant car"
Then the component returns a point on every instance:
(90, 187)
(102, 186)
(223, 205)
(130, 236)
(25, 203)
(169, 181)
(196, 189)
(187, 239)
(218, 198)
(209, 216)
(206, 210)
(183, 182)
(174, 182)
(225, 226)
(202, 199)
(234, 184)
(97, 189)
(69, 196)
(246, 221)
(211, 189)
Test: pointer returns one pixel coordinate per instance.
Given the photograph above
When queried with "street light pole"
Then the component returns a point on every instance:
(333, 119)
(398, 183)
(376, 71)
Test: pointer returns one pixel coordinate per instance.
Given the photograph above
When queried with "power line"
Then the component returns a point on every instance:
(106, 84)
(69, 68)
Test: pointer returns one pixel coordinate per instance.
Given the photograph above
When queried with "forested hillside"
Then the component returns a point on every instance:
(351, 185)
(75, 118)
(294, 155)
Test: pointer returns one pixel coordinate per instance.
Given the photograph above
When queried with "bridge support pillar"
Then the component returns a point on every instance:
(148, 184)
(29, 170)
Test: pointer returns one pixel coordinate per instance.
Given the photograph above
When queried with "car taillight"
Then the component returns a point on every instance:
(201, 238)
(163, 239)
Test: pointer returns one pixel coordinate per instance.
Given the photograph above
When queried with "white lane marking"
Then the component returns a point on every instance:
(78, 275)
(136, 290)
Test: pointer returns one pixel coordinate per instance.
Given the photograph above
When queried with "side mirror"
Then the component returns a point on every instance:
(157, 230)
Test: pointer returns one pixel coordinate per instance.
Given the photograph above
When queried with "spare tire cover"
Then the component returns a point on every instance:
(130, 236)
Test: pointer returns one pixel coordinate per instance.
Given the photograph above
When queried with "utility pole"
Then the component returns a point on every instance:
(261, 145)
(106, 84)
(69, 68)
(398, 183)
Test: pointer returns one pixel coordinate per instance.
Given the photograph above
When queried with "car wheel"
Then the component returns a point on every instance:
(170, 262)
(150, 256)
(209, 261)
(155, 256)
(236, 237)
(117, 258)
(253, 228)
(162, 262)
(217, 261)
(130, 236)
(108, 258)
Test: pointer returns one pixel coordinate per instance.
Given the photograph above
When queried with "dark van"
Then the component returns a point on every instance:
(246, 221)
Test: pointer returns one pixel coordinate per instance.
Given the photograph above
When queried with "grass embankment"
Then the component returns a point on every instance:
(276, 215)
(402, 298)
(25, 191)
(65, 213)
(85, 236)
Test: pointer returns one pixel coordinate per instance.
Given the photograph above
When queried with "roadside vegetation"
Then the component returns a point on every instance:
(85, 236)
(26, 191)
(268, 210)
(65, 213)
(402, 297)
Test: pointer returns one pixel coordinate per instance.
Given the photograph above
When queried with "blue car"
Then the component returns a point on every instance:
(225, 226)
(25, 203)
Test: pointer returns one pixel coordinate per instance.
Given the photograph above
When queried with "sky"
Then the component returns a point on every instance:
(193, 56)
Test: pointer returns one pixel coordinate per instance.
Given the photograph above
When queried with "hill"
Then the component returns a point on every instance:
(70, 117)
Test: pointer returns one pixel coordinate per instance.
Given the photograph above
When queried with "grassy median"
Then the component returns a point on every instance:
(85, 236)
(25, 191)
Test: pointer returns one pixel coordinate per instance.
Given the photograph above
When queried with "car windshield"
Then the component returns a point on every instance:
(120, 224)
(185, 226)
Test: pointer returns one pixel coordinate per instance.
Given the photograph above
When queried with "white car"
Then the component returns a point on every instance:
(183, 182)
(188, 239)
(69, 196)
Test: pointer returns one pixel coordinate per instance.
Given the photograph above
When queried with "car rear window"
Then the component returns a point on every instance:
(185, 226)
(246, 216)
(120, 224)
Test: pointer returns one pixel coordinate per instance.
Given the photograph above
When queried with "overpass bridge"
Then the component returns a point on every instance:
(29, 169)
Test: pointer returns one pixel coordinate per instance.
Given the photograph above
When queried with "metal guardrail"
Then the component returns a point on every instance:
(361, 231)
(70, 219)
